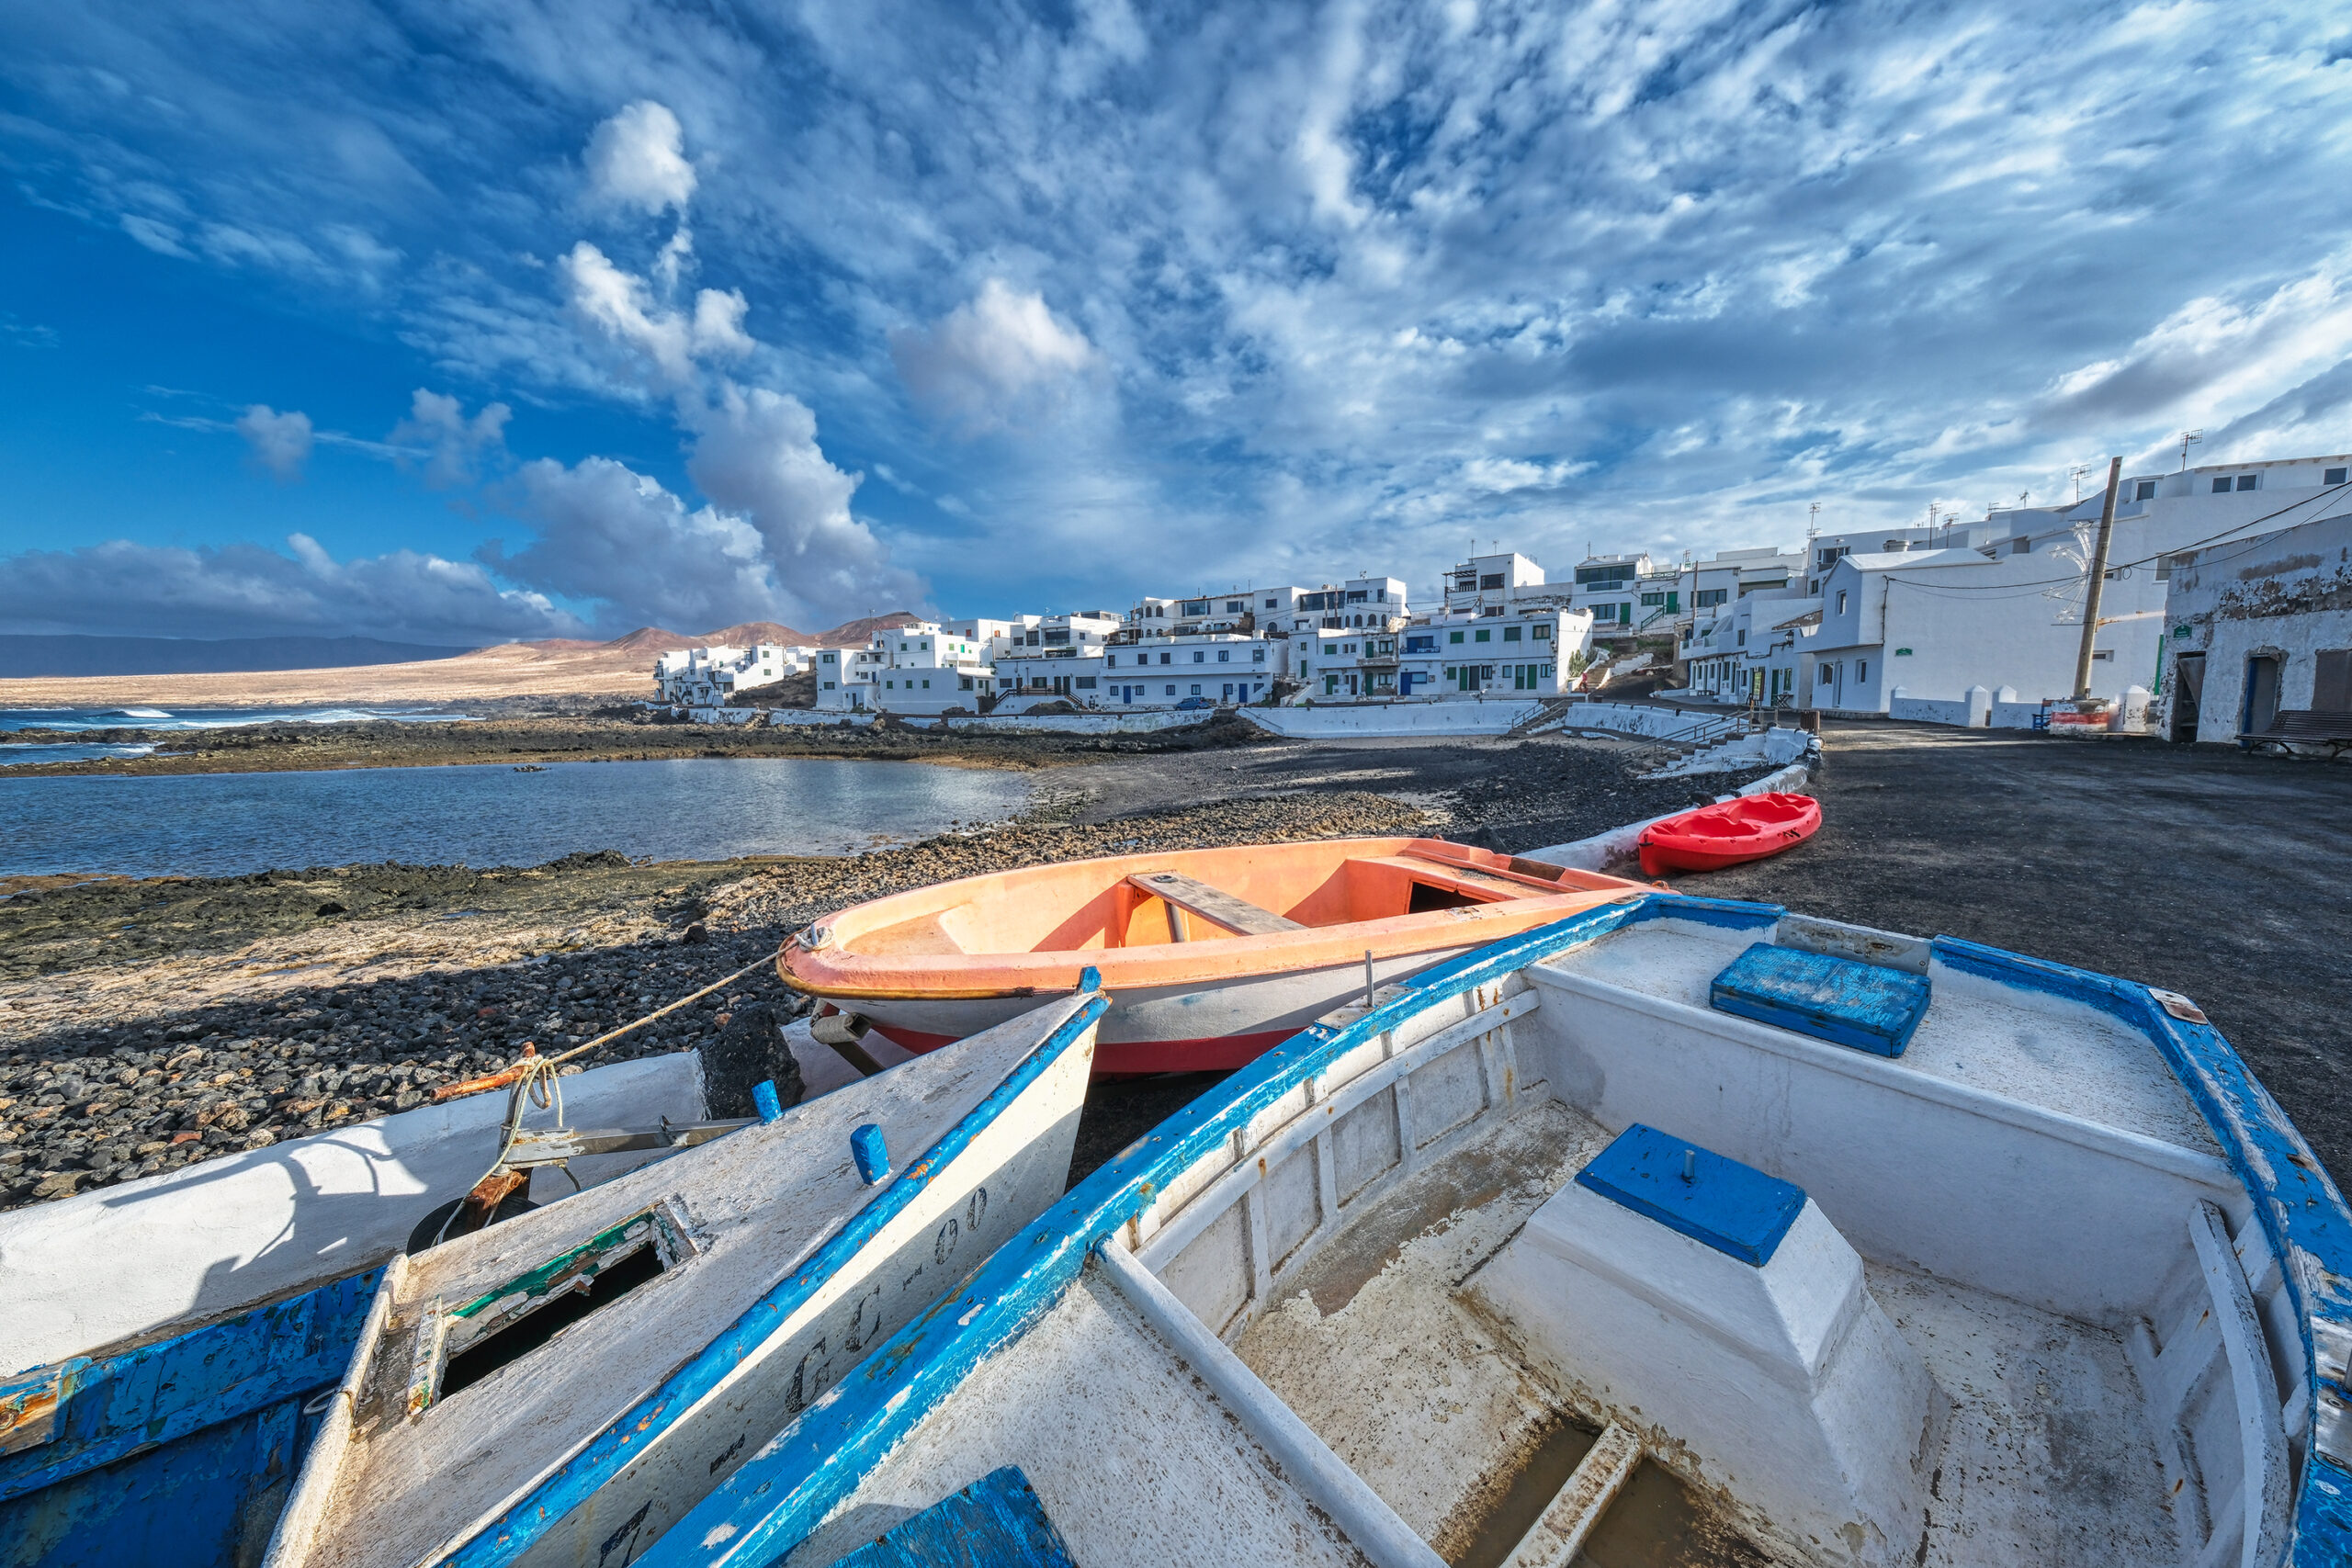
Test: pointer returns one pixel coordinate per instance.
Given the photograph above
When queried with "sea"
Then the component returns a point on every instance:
(16, 753)
(677, 808)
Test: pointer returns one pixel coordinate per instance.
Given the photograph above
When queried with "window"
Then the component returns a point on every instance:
(1269, 603)
(2144, 490)
(1234, 606)
(1347, 647)
(966, 683)
(1171, 691)
(1257, 656)
(1541, 631)
(1085, 682)
(1490, 580)
(1824, 674)
(1742, 639)
(2335, 476)
(1200, 656)
(926, 685)
(1511, 634)
(1842, 601)
(1330, 648)
(2249, 481)
(1485, 635)
(1653, 599)
(1454, 637)
(1196, 688)
(1167, 657)
(2222, 485)
(2332, 680)
(2021, 546)
(1195, 607)
(1224, 656)
(1829, 553)
(1604, 611)
(829, 685)
(1707, 597)
(1862, 668)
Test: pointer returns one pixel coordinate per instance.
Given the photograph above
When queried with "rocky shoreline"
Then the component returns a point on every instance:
(605, 734)
(151, 1024)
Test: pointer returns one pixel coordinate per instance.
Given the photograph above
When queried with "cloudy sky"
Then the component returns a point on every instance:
(489, 318)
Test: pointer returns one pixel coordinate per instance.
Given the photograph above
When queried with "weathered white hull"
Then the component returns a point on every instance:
(783, 1265)
(1169, 1029)
(2038, 1280)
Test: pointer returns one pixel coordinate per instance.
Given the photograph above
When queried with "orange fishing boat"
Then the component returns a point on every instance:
(1210, 956)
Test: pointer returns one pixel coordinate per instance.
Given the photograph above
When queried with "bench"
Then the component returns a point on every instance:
(2302, 726)
(1210, 903)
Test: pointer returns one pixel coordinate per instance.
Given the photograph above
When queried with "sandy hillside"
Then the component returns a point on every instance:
(510, 670)
(559, 667)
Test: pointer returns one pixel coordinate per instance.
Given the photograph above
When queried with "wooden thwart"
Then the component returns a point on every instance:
(1211, 904)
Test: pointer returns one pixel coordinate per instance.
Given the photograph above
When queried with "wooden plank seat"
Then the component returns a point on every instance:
(1211, 904)
(2302, 726)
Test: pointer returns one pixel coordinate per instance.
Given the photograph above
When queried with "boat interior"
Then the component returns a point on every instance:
(1418, 1308)
(1196, 896)
(699, 1303)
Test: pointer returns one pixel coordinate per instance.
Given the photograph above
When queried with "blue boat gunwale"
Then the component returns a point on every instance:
(785, 1491)
(603, 1457)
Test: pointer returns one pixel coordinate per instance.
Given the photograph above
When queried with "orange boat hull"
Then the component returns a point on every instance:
(942, 963)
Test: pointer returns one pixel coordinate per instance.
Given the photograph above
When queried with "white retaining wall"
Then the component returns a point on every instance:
(1457, 716)
(1777, 745)
(1654, 723)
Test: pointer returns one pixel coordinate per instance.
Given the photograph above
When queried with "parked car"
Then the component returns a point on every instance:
(1190, 703)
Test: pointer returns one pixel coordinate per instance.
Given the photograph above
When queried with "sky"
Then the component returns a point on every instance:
(482, 320)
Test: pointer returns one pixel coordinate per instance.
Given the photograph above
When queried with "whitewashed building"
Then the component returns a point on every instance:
(710, 677)
(2002, 608)
(1610, 588)
(2259, 625)
(1226, 667)
(1532, 650)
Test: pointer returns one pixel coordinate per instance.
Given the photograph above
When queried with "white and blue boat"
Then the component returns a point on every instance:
(269, 1377)
(559, 1387)
(1680, 1231)
(164, 1343)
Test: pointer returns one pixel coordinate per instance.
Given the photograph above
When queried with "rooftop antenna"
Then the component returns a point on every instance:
(2187, 437)
(1811, 523)
(2022, 498)
(2076, 473)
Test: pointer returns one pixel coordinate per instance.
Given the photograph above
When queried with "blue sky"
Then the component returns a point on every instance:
(489, 320)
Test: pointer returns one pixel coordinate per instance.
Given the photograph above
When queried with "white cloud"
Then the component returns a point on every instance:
(755, 455)
(247, 589)
(624, 308)
(999, 360)
(455, 446)
(638, 159)
(280, 441)
(616, 537)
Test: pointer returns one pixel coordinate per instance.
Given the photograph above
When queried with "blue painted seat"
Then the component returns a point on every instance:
(1843, 1001)
(996, 1522)
(1736, 1209)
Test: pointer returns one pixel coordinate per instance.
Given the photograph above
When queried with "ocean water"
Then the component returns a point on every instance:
(16, 754)
(683, 809)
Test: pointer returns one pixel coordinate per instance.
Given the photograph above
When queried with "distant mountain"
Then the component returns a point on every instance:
(23, 656)
(852, 633)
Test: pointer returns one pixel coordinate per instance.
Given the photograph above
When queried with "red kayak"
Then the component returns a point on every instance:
(1729, 832)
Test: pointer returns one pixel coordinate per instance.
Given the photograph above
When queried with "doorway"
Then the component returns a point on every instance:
(2188, 694)
(2261, 693)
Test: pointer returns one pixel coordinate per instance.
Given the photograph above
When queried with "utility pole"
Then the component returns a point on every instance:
(2098, 579)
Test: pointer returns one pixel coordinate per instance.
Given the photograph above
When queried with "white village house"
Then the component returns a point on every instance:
(710, 677)
(2257, 627)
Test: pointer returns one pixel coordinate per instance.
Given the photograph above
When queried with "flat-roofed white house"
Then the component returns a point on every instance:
(1526, 650)
(2004, 609)
(2257, 627)
(709, 677)
(1225, 668)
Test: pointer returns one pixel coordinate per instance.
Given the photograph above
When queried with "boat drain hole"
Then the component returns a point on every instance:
(535, 1328)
